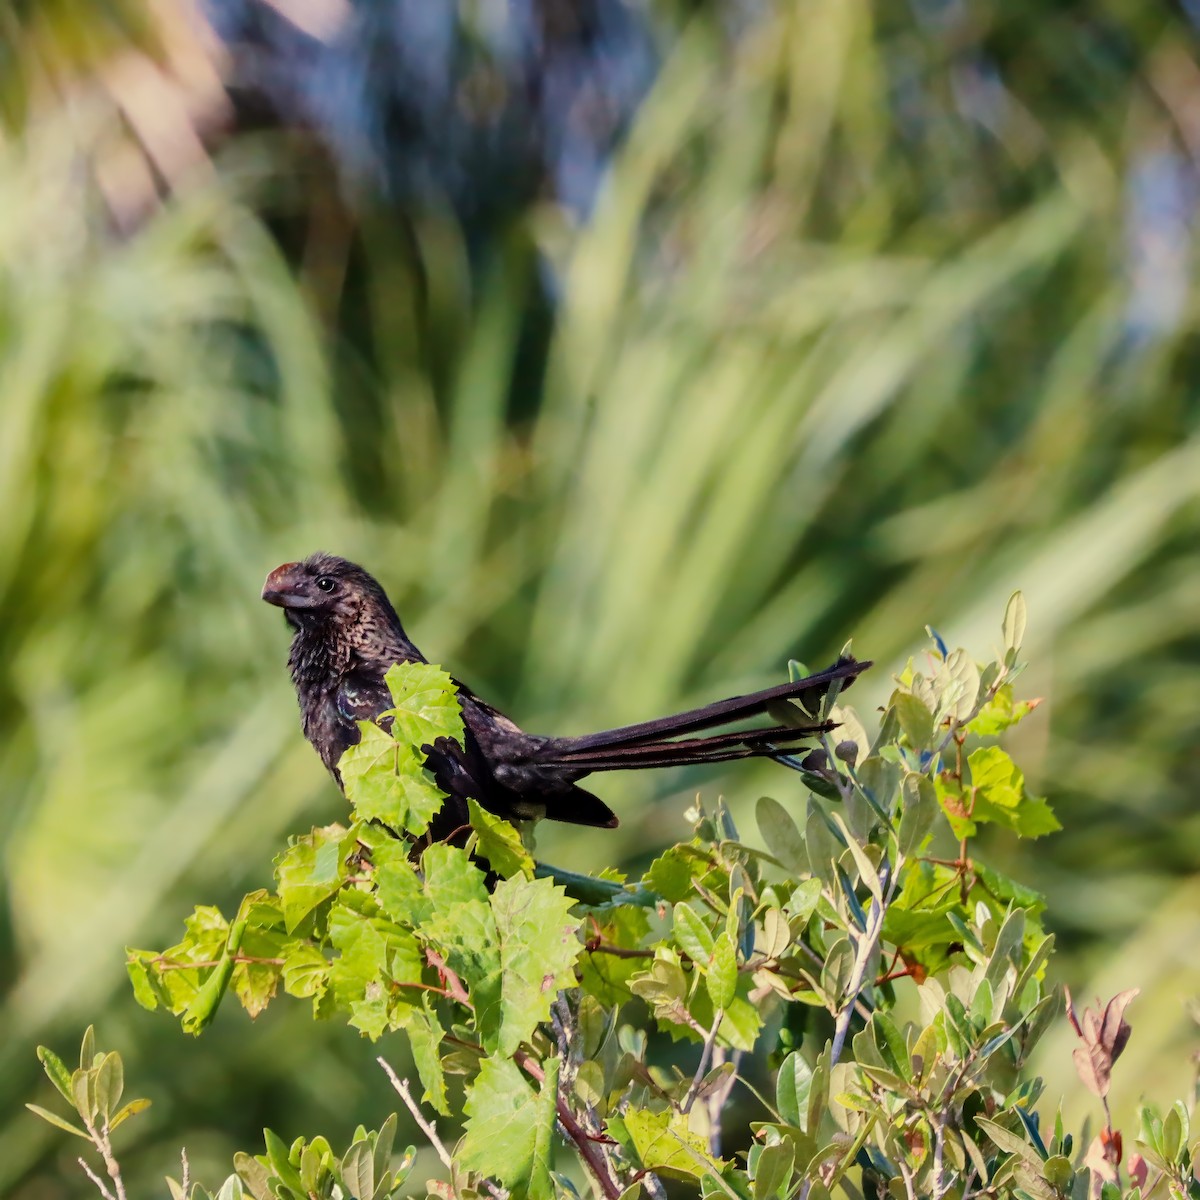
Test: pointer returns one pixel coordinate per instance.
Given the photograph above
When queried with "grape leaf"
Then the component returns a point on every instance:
(508, 1127)
(426, 704)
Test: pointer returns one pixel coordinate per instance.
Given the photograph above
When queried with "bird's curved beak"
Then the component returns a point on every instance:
(281, 588)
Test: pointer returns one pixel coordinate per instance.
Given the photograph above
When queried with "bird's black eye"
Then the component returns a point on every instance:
(326, 584)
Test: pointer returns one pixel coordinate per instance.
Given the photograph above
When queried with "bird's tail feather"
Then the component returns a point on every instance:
(662, 743)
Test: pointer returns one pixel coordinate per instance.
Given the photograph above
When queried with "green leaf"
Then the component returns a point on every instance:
(920, 808)
(110, 1083)
(670, 874)
(866, 868)
(1013, 627)
(1001, 712)
(462, 926)
(386, 781)
(773, 1170)
(781, 834)
(87, 1048)
(1000, 796)
(305, 970)
(56, 1072)
(1010, 1142)
(398, 887)
(57, 1121)
(962, 686)
(500, 843)
(916, 721)
(541, 1186)
(358, 1170)
(691, 934)
(664, 1144)
(504, 1138)
(202, 1008)
(129, 1110)
(425, 1035)
(426, 707)
(311, 870)
(722, 972)
(792, 1087)
(824, 849)
(538, 949)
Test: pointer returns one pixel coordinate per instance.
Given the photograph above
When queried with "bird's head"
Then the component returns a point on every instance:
(323, 589)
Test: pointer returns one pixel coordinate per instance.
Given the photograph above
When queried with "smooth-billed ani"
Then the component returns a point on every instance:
(346, 635)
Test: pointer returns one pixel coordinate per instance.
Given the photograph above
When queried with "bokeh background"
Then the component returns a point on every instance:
(636, 345)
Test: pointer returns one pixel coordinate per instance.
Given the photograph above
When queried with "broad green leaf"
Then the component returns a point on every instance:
(824, 849)
(386, 781)
(541, 1186)
(802, 903)
(462, 925)
(370, 1013)
(664, 1144)
(961, 675)
(1010, 1142)
(915, 719)
(781, 835)
(110, 1083)
(305, 969)
(500, 843)
(722, 972)
(773, 1170)
(792, 1087)
(358, 1170)
(425, 704)
(670, 874)
(691, 934)
(503, 1138)
(538, 949)
(398, 887)
(311, 870)
(999, 791)
(1001, 712)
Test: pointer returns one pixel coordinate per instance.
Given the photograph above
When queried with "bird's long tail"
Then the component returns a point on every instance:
(794, 707)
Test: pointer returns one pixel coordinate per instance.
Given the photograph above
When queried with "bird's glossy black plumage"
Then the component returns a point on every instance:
(346, 634)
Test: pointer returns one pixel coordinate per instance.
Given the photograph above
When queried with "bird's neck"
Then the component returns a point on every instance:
(318, 658)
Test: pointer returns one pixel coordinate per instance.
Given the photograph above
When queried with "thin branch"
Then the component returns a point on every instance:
(716, 1100)
(906, 1174)
(710, 1041)
(100, 1184)
(939, 1145)
(428, 1128)
(457, 991)
(186, 1169)
(103, 1146)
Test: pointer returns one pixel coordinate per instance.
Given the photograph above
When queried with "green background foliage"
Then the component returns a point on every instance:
(878, 315)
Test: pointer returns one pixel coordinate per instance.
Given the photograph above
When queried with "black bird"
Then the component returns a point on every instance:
(346, 635)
